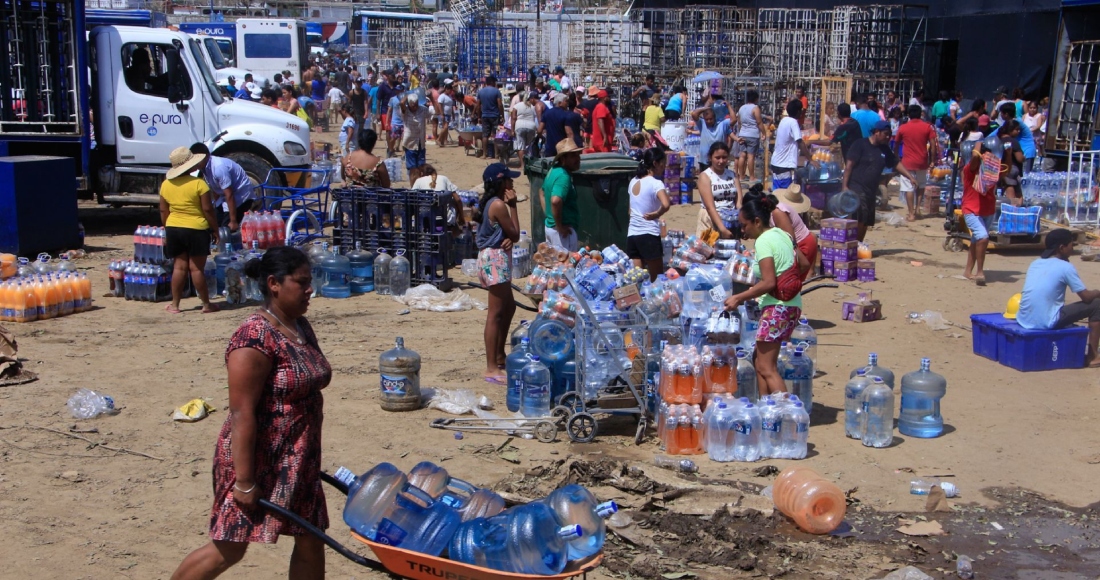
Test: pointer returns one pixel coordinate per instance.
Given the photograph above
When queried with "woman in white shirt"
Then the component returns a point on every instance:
(433, 181)
(526, 119)
(648, 202)
(719, 191)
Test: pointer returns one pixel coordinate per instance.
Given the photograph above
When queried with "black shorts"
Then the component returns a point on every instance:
(180, 241)
(644, 247)
(673, 115)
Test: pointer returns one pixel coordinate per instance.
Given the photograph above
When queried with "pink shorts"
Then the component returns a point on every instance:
(494, 266)
(777, 322)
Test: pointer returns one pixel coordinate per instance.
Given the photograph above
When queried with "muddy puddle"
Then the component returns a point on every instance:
(675, 526)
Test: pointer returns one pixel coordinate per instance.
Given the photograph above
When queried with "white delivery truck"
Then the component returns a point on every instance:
(267, 46)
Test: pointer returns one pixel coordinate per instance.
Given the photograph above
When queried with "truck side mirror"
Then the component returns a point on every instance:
(176, 75)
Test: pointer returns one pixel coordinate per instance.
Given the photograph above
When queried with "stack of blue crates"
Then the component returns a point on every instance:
(1005, 341)
(413, 220)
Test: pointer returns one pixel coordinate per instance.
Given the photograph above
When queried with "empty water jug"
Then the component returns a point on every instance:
(337, 270)
(815, 504)
(877, 418)
(746, 377)
(576, 506)
(513, 369)
(853, 403)
(843, 204)
(384, 507)
(804, 333)
(798, 374)
(527, 539)
(536, 379)
(921, 391)
(874, 370)
(399, 369)
(400, 274)
(467, 499)
(382, 272)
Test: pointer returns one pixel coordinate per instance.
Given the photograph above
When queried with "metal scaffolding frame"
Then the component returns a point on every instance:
(1073, 126)
(38, 96)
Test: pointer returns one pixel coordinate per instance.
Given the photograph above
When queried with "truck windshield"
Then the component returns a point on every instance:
(207, 76)
(215, 53)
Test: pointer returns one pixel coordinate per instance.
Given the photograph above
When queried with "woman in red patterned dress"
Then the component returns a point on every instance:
(270, 445)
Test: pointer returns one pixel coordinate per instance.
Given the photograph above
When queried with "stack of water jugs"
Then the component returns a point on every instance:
(432, 513)
(869, 403)
(44, 289)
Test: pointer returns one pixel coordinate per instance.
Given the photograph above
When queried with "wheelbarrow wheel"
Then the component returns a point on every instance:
(561, 413)
(581, 428)
(546, 431)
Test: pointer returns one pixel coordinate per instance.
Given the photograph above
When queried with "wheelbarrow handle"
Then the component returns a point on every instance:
(320, 534)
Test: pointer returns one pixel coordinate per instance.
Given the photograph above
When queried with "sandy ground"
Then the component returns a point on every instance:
(70, 509)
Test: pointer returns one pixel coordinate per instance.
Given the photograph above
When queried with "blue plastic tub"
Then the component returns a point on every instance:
(1003, 340)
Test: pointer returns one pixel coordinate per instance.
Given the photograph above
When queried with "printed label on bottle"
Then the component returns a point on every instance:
(772, 426)
(389, 533)
(866, 407)
(802, 428)
(394, 386)
(742, 428)
(537, 390)
(718, 294)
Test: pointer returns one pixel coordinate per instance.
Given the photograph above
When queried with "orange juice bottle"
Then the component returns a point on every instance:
(53, 297)
(65, 290)
(7, 308)
(27, 302)
(85, 292)
(39, 290)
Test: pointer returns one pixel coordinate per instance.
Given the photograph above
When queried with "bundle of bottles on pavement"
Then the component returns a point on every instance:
(43, 289)
(430, 512)
(267, 228)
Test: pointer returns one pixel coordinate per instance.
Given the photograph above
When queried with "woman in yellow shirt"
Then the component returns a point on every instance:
(654, 116)
(187, 214)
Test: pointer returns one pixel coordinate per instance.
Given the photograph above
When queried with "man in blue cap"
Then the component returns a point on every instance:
(866, 160)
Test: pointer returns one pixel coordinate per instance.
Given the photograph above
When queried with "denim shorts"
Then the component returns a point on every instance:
(979, 226)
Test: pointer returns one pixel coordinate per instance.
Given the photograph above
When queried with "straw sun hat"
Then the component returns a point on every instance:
(565, 147)
(183, 162)
(793, 198)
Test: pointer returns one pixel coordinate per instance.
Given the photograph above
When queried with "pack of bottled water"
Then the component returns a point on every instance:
(775, 427)
(149, 245)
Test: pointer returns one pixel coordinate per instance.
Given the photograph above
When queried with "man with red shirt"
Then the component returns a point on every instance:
(918, 144)
(603, 124)
(978, 207)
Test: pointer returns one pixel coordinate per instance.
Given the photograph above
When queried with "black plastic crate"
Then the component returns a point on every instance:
(429, 268)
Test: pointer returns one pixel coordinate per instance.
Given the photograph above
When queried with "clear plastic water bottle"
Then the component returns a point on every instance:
(771, 420)
(536, 380)
(527, 539)
(86, 404)
(746, 377)
(799, 377)
(719, 421)
(382, 272)
(384, 507)
(874, 370)
(210, 274)
(400, 274)
(794, 431)
(513, 369)
(576, 506)
(804, 333)
(853, 403)
(877, 419)
(921, 391)
(746, 433)
(252, 287)
(220, 263)
(234, 282)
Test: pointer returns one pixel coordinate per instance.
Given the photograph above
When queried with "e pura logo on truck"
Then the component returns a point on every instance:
(159, 119)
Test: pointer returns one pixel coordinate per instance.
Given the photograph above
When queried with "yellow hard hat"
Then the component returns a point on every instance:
(1013, 306)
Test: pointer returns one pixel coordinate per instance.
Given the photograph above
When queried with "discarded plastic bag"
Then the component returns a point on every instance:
(907, 573)
(933, 319)
(86, 404)
(428, 297)
(194, 410)
(889, 218)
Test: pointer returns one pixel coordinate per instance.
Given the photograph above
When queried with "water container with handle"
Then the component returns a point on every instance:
(877, 419)
(815, 504)
(382, 272)
(921, 391)
(874, 370)
(804, 333)
(843, 204)
(384, 507)
(362, 270)
(400, 274)
(513, 369)
(399, 369)
(853, 403)
(527, 539)
(519, 333)
(336, 269)
(746, 376)
(467, 499)
(576, 506)
(536, 379)
(798, 375)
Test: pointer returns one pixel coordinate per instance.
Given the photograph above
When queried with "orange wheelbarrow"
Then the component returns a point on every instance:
(414, 565)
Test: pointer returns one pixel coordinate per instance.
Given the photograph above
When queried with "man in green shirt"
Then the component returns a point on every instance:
(562, 213)
(941, 109)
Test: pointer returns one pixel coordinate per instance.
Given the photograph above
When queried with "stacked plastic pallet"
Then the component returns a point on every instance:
(414, 220)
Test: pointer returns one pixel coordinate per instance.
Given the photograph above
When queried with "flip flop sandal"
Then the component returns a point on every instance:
(497, 381)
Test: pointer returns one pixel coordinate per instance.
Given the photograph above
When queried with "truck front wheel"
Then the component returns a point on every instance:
(256, 167)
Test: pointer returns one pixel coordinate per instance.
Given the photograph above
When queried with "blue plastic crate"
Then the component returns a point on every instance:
(1025, 350)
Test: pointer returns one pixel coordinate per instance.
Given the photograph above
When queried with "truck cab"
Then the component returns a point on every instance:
(222, 69)
(152, 91)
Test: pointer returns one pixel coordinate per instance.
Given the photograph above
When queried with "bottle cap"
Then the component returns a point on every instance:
(570, 532)
(607, 508)
(861, 372)
(534, 358)
(877, 380)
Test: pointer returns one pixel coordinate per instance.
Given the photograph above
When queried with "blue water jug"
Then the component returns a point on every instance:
(552, 340)
(874, 370)
(565, 380)
(921, 391)
(536, 379)
(362, 270)
(470, 501)
(513, 369)
(798, 374)
(527, 539)
(336, 270)
(853, 403)
(220, 262)
(576, 506)
(383, 507)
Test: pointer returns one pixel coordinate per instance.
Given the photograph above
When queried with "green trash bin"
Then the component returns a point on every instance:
(602, 198)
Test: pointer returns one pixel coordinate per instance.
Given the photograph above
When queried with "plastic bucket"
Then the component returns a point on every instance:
(675, 134)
